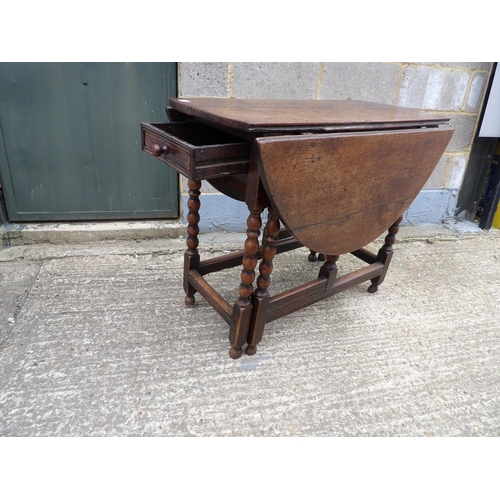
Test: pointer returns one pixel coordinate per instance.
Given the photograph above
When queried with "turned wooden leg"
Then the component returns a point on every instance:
(242, 309)
(260, 298)
(192, 257)
(385, 255)
(329, 270)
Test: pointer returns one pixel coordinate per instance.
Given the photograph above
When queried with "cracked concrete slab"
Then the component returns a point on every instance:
(103, 346)
(16, 280)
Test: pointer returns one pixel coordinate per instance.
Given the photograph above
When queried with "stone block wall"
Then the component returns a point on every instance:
(455, 89)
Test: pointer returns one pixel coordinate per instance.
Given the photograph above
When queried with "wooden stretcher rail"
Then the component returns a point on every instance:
(305, 295)
(219, 263)
(365, 255)
(211, 296)
(234, 259)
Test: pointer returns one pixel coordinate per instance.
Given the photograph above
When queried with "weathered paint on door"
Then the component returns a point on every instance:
(70, 141)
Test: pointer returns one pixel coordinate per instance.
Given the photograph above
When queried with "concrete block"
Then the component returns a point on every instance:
(471, 65)
(219, 213)
(456, 171)
(464, 129)
(476, 92)
(436, 180)
(431, 206)
(284, 80)
(428, 87)
(203, 79)
(374, 82)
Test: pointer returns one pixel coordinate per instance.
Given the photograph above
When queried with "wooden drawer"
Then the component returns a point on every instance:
(196, 150)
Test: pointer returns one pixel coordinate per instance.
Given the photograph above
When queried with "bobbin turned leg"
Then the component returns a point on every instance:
(242, 309)
(385, 255)
(192, 257)
(260, 298)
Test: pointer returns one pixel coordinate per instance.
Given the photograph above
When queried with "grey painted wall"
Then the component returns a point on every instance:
(455, 89)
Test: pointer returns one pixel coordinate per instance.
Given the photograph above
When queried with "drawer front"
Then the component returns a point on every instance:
(195, 150)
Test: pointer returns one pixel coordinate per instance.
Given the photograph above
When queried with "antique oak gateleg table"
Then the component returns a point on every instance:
(336, 174)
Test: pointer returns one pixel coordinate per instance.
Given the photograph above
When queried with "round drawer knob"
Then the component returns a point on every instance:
(159, 150)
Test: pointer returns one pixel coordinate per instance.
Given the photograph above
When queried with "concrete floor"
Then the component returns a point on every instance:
(95, 341)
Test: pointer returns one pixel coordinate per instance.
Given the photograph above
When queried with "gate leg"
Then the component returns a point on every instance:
(192, 257)
(242, 309)
(260, 298)
(385, 255)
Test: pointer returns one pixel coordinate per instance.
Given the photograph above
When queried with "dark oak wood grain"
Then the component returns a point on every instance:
(338, 192)
(195, 150)
(260, 298)
(210, 295)
(337, 174)
(329, 270)
(285, 243)
(307, 294)
(243, 309)
(266, 115)
(234, 186)
(385, 255)
(191, 256)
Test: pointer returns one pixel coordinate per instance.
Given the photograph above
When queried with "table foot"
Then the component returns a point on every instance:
(372, 288)
(235, 352)
(189, 301)
(251, 350)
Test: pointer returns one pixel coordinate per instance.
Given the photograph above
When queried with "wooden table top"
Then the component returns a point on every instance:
(281, 115)
(339, 187)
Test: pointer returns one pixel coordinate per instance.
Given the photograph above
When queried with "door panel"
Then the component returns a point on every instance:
(70, 144)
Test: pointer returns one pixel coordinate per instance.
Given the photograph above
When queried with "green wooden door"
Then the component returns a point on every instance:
(70, 145)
